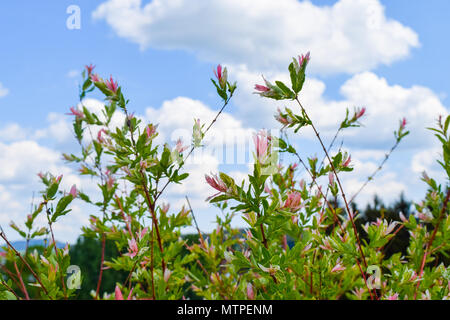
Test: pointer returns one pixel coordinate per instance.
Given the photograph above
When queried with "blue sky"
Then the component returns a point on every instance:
(164, 59)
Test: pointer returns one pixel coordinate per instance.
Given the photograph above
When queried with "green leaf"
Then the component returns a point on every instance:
(178, 178)
(293, 75)
(222, 92)
(61, 206)
(285, 89)
(6, 295)
(446, 124)
(87, 84)
(51, 191)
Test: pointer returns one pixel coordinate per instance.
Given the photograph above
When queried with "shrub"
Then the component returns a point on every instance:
(328, 257)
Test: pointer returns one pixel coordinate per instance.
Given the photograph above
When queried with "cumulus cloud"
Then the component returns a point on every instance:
(12, 132)
(59, 128)
(388, 185)
(20, 162)
(175, 119)
(3, 91)
(350, 36)
(22, 157)
(226, 143)
(425, 160)
(386, 104)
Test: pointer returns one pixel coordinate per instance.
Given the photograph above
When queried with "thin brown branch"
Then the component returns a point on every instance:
(22, 285)
(195, 221)
(150, 204)
(2, 235)
(99, 282)
(341, 189)
(430, 242)
(192, 149)
(336, 218)
(3, 283)
(152, 267)
(370, 178)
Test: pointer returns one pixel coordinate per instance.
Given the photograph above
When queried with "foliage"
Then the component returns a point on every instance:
(333, 250)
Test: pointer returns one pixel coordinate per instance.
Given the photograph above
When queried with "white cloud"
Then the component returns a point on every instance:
(387, 186)
(425, 160)
(22, 158)
(59, 128)
(386, 104)
(3, 91)
(73, 74)
(175, 119)
(20, 161)
(223, 144)
(12, 132)
(351, 36)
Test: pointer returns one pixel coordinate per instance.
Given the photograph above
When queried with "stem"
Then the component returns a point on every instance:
(264, 240)
(151, 207)
(312, 274)
(19, 275)
(152, 268)
(2, 235)
(10, 275)
(370, 178)
(123, 215)
(284, 242)
(150, 204)
(56, 249)
(192, 149)
(341, 189)
(3, 283)
(131, 272)
(195, 221)
(430, 242)
(101, 267)
(320, 190)
(328, 150)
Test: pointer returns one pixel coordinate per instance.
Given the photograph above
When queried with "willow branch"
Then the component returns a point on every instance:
(341, 189)
(430, 242)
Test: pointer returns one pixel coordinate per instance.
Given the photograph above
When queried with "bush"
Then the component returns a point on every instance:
(334, 253)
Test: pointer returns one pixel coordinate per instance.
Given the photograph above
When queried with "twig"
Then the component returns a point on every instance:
(195, 221)
(19, 275)
(328, 150)
(370, 178)
(3, 283)
(150, 204)
(389, 242)
(56, 249)
(123, 215)
(341, 189)
(192, 149)
(2, 235)
(152, 267)
(430, 242)
(320, 190)
(99, 282)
